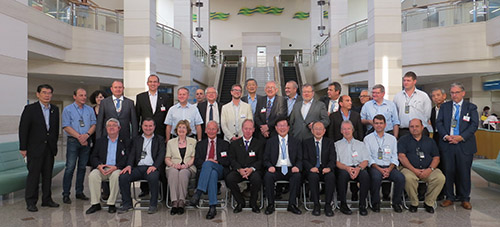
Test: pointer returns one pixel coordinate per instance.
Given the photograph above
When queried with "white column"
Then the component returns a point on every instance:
(183, 22)
(384, 45)
(314, 18)
(338, 19)
(139, 36)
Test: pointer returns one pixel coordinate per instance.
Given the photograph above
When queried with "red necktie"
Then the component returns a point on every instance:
(211, 153)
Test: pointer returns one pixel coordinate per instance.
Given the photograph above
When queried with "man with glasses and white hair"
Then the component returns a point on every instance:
(209, 109)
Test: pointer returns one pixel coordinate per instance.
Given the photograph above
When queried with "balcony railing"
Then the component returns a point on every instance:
(168, 36)
(199, 52)
(353, 33)
(81, 14)
(322, 49)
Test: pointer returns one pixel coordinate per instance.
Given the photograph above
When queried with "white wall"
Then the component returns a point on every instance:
(165, 12)
(293, 31)
(358, 10)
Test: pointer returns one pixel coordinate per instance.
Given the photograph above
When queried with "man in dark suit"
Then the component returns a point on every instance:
(212, 162)
(38, 134)
(109, 157)
(438, 96)
(319, 164)
(245, 155)
(269, 109)
(252, 97)
(456, 123)
(345, 113)
(305, 112)
(119, 107)
(282, 161)
(210, 110)
(147, 153)
(332, 99)
(152, 104)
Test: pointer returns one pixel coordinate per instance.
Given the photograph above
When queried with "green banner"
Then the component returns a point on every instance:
(219, 16)
(325, 14)
(301, 15)
(261, 9)
(195, 18)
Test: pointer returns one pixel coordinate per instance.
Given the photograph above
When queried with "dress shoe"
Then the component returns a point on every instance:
(269, 209)
(32, 208)
(329, 211)
(317, 210)
(354, 197)
(345, 209)
(255, 209)
(211, 213)
(173, 211)
(111, 209)
(152, 210)
(429, 209)
(413, 209)
(376, 207)
(143, 194)
(66, 199)
(124, 209)
(82, 197)
(93, 209)
(180, 210)
(397, 208)
(294, 209)
(238, 208)
(466, 205)
(50, 204)
(195, 200)
(363, 211)
(447, 203)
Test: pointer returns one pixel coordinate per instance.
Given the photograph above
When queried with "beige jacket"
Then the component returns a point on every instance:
(174, 154)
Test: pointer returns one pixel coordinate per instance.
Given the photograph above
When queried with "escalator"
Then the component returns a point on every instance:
(289, 73)
(229, 78)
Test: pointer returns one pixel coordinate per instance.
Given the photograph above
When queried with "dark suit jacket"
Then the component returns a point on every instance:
(157, 150)
(127, 118)
(100, 153)
(143, 110)
(33, 134)
(328, 154)
(326, 100)
(467, 129)
(273, 150)
(240, 158)
(336, 121)
(435, 134)
(278, 110)
(221, 146)
(299, 127)
(202, 108)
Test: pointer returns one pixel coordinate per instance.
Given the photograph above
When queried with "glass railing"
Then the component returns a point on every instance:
(449, 13)
(168, 36)
(199, 52)
(81, 15)
(353, 33)
(321, 50)
(304, 59)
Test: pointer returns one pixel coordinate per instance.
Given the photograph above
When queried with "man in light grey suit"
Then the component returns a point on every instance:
(305, 113)
(119, 107)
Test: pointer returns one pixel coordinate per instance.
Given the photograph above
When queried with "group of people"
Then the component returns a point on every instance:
(259, 140)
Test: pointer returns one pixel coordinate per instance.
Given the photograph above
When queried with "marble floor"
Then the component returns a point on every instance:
(485, 212)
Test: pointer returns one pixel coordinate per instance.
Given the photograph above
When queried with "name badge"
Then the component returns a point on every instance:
(283, 162)
(263, 110)
(251, 154)
(421, 154)
(466, 117)
(453, 123)
(143, 154)
(407, 109)
(123, 152)
(163, 109)
(380, 154)
(387, 150)
(354, 154)
(223, 154)
(82, 124)
(243, 116)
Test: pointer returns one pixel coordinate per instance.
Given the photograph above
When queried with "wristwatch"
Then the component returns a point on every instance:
(253, 169)
(432, 169)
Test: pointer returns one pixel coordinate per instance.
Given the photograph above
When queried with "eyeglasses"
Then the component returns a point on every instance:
(237, 90)
(364, 96)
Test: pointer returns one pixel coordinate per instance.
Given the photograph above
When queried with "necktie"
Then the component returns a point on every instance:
(333, 106)
(284, 168)
(211, 113)
(246, 145)
(268, 109)
(456, 130)
(118, 104)
(317, 154)
(211, 153)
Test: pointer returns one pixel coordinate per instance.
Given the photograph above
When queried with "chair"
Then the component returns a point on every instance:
(223, 202)
(140, 200)
(281, 202)
(233, 205)
(307, 202)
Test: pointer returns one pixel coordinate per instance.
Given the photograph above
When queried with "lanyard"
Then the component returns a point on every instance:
(383, 140)
(78, 111)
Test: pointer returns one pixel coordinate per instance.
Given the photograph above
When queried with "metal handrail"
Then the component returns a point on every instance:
(199, 52)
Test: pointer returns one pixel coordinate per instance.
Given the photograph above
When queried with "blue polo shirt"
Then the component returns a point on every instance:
(72, 114)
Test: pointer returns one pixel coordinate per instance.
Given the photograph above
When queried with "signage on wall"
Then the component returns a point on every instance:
(219, 16)
(491, 85)
(262, 10)
(301, 15)
(325, 14)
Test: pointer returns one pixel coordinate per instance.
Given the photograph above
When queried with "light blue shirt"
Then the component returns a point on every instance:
(291, 102)
(72, 114)
(46, 115)
(389, 146)
(253, 103)
(272, 101)
(177, 113)
(111, 155)
(388, 109)
(146, 146)
(344, 117)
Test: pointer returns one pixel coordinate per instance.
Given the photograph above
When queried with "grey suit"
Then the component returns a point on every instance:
(299, 125)
(127, 117)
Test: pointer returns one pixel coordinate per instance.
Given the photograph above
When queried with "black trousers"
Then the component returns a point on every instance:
(293, 178)
(139, 173)
(39, 166)
(232, 180)
(343, 178)
(329, 180)
(457, 169)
